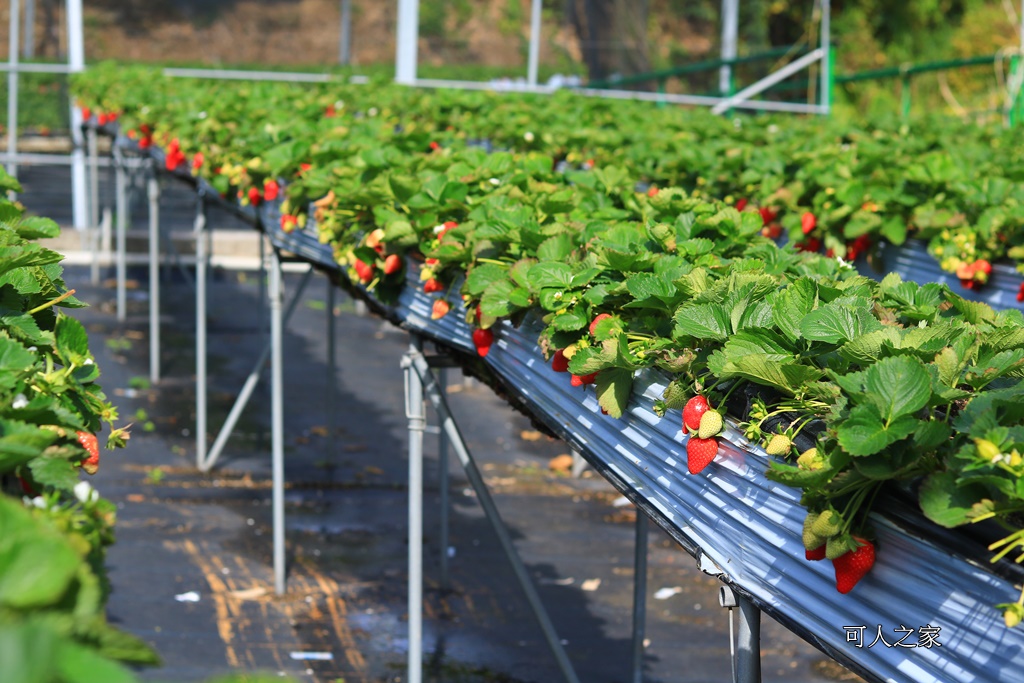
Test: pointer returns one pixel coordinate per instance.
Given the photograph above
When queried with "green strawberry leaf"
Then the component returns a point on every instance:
(946, 502)
(613, 388)
(864, 432)
(897, 386)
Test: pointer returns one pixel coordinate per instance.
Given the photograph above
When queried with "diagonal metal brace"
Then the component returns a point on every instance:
(434, 392)
(207, 461)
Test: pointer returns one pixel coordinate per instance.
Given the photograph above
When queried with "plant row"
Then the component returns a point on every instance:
(54, 527)
(859, 388)
(831, 188)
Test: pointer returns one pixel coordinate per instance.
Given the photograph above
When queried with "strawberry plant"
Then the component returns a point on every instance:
(54, 527)
(859, 389)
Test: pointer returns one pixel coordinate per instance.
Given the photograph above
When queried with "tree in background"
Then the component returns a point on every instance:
(612, 35)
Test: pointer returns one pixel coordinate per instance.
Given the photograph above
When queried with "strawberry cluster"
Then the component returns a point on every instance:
(175, 157)
(825, 537)
(703, 424)
(972, 275)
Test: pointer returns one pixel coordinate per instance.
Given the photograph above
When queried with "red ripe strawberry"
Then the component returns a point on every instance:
(102, 119)
(145, 129)
(112, 117)
(434, 146)
(967, 284)
(695, 407)
(767, 215)
(482, 340)
(559, 363)
(1020, 293)
(816, 554)
(652, 191)
(442, 230)
(288, 222)
(583, 380)
(440, 309)
(392, 264)
(146, 142)
(432, 285)
(270, 190)
(364, 271)
(853, 565)
(254, 196)
(808, 222)
(983, 266)
(303, 167)
(91, 445)
(330, 112)
(595, 321)
(830, 253)
(700, 453)
(86, 113)
(197, 161)
(741, 204)
(811, 244)
(27, 488)
(772, 231)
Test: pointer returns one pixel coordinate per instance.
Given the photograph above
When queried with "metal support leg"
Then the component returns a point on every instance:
(94, 207)
(261, 309)
(201, 411)
(639, 596)
(746, 647)
(250, 385)
(153, 194)
(417, 424)
(442, 485)
(437, 399)
(579, 465)
(332, 370)
(277, 416)
(121, 183)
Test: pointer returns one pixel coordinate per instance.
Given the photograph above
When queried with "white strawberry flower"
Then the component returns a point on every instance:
(495, 182)
(528, 136)
(85, 492)
(438, 229)
(20, 401)
(40, 502)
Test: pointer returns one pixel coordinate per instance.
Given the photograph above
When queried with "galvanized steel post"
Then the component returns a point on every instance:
(76, 64)
(121, 204)
(199, 232)
(345, 44)
(730, 29)
(277, 418)
(442, 486)
(639, 595)
(826, 57)
(534, 54)
(407, 41)
(414, 412)
(12, 91)
(483, 494)
(153, 194)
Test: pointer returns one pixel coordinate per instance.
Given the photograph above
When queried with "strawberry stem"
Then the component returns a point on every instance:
(54, 302)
